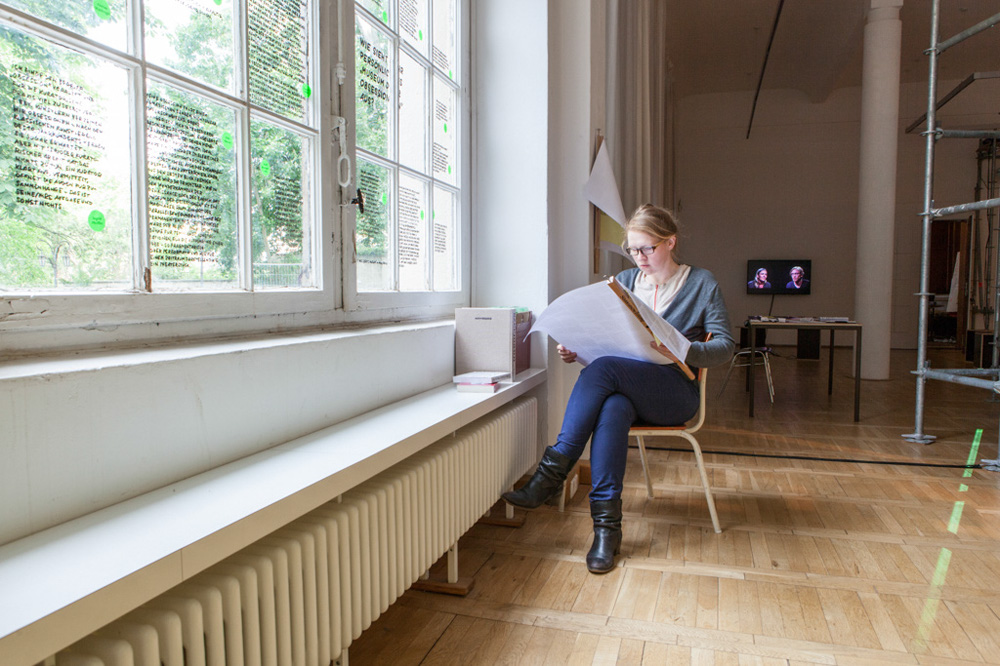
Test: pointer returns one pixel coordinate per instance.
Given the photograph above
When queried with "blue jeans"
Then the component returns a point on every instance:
(609, 396)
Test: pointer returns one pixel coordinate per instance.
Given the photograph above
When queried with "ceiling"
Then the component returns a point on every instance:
(720, 45)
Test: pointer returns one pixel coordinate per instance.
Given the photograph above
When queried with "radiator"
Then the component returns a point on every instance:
(303, 594)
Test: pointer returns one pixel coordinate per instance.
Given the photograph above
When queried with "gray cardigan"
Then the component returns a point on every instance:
(697, 309)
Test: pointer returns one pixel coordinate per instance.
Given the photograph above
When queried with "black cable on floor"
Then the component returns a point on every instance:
(843, 460)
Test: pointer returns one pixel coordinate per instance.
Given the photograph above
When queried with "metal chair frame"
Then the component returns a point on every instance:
(741, 359)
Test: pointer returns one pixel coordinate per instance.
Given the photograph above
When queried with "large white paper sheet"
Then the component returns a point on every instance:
(593, 322)
(602, 189)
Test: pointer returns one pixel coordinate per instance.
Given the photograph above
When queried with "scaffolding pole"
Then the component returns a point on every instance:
(980, 378)
(930, 137)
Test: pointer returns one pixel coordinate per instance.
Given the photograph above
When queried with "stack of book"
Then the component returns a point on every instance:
(479, 381)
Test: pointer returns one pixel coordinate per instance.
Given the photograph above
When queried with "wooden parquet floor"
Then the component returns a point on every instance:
(842, 543)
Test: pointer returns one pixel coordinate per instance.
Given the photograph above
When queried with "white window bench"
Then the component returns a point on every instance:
(62, 583)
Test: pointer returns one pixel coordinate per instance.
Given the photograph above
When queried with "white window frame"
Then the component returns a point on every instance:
(42, 321)
(447, 300)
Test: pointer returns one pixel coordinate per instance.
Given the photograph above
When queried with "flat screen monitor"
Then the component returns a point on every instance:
(779, 276)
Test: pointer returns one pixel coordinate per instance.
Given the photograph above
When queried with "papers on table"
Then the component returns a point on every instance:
(593, 322)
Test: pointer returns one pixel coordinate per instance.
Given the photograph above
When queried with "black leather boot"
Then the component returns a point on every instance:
(607, 515)
(545, 483)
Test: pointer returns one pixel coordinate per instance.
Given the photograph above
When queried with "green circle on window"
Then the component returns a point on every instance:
(218, 2)
(446, 128)
(102, 9)
(307, 90)
(265, 167)
(421, 215)
(449, 169)
(420, 35)
(385, 16)
(450, 75)
(227, 140)
(96, 220)
(385, 197)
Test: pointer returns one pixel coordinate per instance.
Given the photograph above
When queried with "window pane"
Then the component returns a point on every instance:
(280, 178)
(412, 233)
(446, 37)
(100, 20)
(192, 191)
(65, 178)
(371, 236)
(279, 71)
(413, 24)
(380, 8)
(445, 167)
(194, 37)
(373, 88)
(445, 240)
(413, 113)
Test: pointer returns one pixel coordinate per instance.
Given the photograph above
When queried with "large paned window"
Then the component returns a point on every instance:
(408, 82)
(175, 154)
(191, 165)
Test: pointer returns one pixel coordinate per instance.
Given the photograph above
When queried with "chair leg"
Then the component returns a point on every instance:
(770, 384)
(704, 482)
(732, 364)
(645, 466)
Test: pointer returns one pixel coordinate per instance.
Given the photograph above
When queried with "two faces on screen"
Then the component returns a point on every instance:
(797, 279)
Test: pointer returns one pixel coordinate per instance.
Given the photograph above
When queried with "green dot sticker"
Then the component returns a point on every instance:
(265, 167)
(96, 220)
(420, 35)
(449, 169)
(227, 140)
(421, 215)
(446, 128)
(218, 2)
(385, 16)
(385, 197)
(102, 9)
(450, 74)
(307, 90)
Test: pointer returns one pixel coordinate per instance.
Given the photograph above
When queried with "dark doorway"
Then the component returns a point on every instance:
(947, 323)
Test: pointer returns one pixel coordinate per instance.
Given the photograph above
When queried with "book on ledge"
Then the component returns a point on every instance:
(477, 388)
(480, 377)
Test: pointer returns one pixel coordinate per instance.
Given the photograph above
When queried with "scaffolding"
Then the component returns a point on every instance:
(988, 378)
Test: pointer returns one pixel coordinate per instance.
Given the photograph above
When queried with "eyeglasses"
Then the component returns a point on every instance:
(645, 249)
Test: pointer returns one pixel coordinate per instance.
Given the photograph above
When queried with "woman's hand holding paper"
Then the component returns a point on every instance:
(566, 355)
(662, 348)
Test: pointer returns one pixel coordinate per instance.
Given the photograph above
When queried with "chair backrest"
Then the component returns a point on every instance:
(702, 380)
(700, 416)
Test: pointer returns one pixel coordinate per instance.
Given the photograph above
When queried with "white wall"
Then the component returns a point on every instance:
(576, 79)
(510, 109)
(790, 191)
(83, 433)
(532, 149)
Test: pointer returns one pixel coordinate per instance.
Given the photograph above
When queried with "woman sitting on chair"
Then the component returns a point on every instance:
(612, 393)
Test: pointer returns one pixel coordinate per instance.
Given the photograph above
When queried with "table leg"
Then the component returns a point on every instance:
(753, 353)
(857, 375)
(829, 381)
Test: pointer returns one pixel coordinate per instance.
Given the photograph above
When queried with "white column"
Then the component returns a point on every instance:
(877, 186)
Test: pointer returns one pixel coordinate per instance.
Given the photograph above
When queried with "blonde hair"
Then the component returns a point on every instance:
(657, 222)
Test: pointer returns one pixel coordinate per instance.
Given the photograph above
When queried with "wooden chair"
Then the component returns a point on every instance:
(686, 431)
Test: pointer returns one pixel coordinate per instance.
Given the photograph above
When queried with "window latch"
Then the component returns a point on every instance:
(359, 201)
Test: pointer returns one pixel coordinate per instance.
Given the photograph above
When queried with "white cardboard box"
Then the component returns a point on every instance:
(492, 339)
